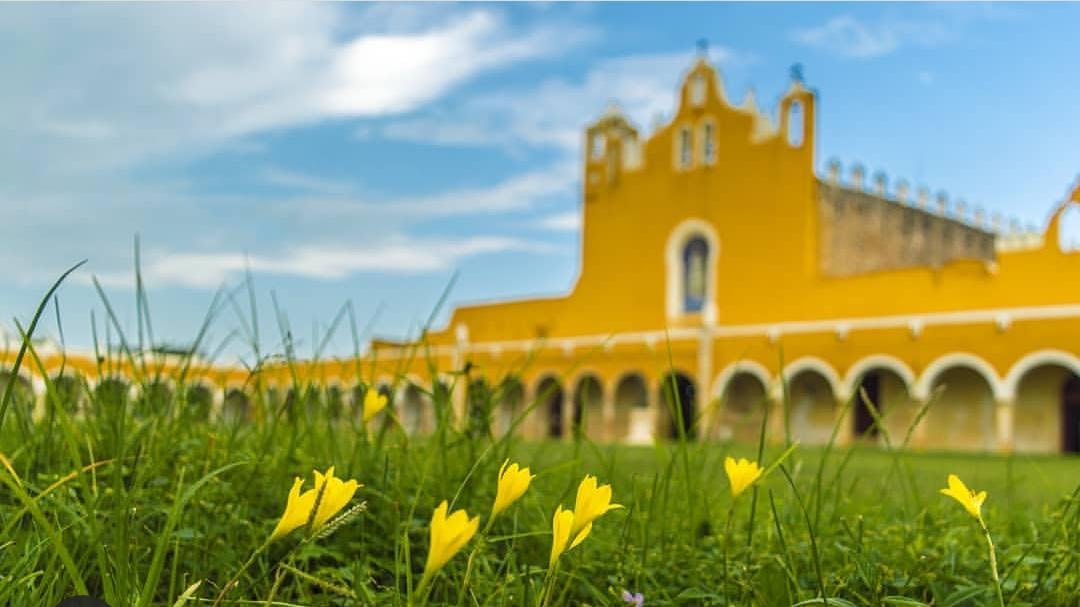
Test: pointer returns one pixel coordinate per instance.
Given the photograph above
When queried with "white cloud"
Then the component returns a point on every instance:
(142, 82)
(517, 193)
(569, 221)
(155, 85)
(850, 37)
(207, 270)
(554, 112)
(296, 180)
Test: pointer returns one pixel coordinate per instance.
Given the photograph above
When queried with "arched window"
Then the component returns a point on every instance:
(795, 126)
(596, 146)
(697, 90)
(708, 143)
(686, 148)
(690, 261)
(695, 256)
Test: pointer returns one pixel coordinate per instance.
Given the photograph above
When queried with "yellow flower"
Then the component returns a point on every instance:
(971, 501)
(373, 403)
(448, 535)
(741, 474)
(563, 537)
(335, 495)
(513, 482)
(592, 501)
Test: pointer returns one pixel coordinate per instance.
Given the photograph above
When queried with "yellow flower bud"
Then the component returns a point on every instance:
(563, 537)
(373, 403)
(592, 501)
(513, 482)
(448, 535)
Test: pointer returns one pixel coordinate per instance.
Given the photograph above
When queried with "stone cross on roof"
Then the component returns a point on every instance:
(796, 72)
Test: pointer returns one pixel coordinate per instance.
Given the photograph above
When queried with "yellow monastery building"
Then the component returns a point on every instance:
(715, 260)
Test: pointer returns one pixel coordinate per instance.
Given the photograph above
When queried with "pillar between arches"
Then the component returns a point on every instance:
(1004, 409)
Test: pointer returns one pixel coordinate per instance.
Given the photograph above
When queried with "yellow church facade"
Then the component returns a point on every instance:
(718, 265)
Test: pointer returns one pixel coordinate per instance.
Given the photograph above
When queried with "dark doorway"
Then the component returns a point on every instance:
(870, 383)
(1070, 415)
(678, 394)
(550, 394)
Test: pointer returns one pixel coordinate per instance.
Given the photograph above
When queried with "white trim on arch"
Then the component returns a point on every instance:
(673, 266)
(1035, 359)
(819, 366)
(750, 367)
(879, 361)
(957, 359)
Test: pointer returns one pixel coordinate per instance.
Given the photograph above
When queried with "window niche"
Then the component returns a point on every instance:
(685, 151)
(697, 90)
(796, 125)
(708, 143)
(695, 264)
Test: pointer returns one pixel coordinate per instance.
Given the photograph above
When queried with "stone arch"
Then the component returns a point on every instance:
(414, 409)
(1030, 361)
(675, 269)
(236, 406)
(819, 366)
(68, 390)
(112, 391)
(198, 400)
(812, 398)
(878, 361)
(751, 367)
(23, 395)
(156, 396)
(957, 359)
(334, 399)
(442, 398)
(743, 400)
(888, 383)
(1043, 389)
(678, 398)
(963, 417)
(633, 417)
(478, 407)
(588, 406)
(511, 399)
(550, 397)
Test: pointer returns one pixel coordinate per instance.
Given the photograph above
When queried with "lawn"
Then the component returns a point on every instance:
(138, 506)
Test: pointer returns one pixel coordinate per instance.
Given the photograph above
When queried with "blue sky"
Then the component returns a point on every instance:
(366, 152)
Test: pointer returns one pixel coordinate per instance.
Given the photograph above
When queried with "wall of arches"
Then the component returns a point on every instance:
(1031, 406)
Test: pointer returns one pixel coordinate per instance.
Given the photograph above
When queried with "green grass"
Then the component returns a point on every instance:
(176, 500)
(138, 502)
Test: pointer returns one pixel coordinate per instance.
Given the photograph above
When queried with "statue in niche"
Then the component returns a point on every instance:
(695, 267)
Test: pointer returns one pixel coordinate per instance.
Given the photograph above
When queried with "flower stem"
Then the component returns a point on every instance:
(421, 590)
(727, 546)
(549, 584)
(236, 578)
(993, 563)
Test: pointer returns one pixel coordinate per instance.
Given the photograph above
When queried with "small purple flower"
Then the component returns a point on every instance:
(637, 599)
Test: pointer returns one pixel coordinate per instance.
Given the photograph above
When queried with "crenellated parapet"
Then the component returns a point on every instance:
(868, 227)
